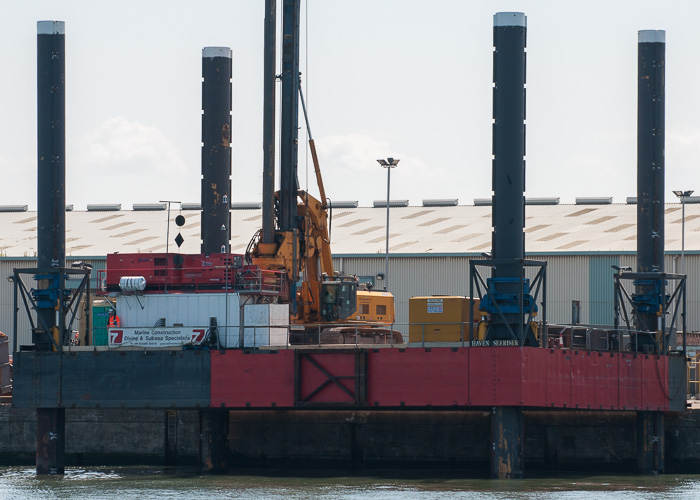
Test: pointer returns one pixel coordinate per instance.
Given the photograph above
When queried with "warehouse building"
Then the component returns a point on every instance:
(430, 247)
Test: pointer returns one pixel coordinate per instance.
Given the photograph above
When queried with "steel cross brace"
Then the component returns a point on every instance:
(330, 379)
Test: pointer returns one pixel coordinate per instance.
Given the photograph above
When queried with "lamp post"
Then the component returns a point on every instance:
(682, 196)
(167, 232)
(388, 164)
(167, 239)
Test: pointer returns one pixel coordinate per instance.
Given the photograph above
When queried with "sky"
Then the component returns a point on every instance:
(383, 78)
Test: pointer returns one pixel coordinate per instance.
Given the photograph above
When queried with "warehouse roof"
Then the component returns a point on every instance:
(464, 229)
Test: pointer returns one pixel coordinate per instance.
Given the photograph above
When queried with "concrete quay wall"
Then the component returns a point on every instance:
(439, 440)
(106, 437)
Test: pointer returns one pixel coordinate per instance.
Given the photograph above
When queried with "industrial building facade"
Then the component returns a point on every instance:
(430, 249)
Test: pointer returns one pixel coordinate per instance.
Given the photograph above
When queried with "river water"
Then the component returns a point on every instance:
(131, 483)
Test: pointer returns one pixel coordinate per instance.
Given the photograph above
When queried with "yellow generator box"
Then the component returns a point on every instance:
(374, 307)
(441, 318)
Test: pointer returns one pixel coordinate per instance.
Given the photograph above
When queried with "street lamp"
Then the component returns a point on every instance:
(388, 164)
(682, 196)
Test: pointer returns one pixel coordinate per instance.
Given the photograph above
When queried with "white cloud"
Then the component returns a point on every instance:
(682, 158)
(350, 152)
(351, 172)
(19, 181)
(128, 162)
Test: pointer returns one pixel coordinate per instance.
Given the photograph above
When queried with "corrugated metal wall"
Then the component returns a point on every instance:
(601, 293)
(692, 264)
(24, 334)
(413, 276)
(567, 280)
(569, 277)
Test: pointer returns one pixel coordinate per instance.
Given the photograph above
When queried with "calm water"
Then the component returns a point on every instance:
(131, 483)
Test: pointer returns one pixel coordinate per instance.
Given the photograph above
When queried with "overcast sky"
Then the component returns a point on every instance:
(408, 79)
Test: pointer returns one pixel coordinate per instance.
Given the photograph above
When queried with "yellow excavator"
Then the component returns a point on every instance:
(328, 307)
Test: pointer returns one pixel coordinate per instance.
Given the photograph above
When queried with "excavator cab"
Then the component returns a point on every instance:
(338, 298)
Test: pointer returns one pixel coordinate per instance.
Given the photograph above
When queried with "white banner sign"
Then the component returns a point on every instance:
(156, 337)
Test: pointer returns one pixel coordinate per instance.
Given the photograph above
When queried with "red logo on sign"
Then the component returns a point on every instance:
(116, 336)
(197, 336)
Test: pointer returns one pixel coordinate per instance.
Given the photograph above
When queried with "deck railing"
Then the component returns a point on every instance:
(594, 338)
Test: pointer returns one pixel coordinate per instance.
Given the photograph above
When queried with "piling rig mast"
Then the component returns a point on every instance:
(295, 237)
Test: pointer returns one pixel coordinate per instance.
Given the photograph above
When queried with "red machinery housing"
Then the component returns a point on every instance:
(215, 272)
(196, 272)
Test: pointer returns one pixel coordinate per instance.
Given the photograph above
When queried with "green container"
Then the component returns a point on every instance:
(100, 322)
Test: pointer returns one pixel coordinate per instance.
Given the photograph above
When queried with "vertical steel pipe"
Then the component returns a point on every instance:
(50, 440)
(213, 439)
(650, 295)
(216, 148)
(290, 115)
(650, 150)
(650, 442)
(508, 217)
(51, 224)
(388, 207)
(269, 75)
(509, 36)
(650, 172)
(507, 284)
(51, 156)
(507, 439)
(683, 237)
